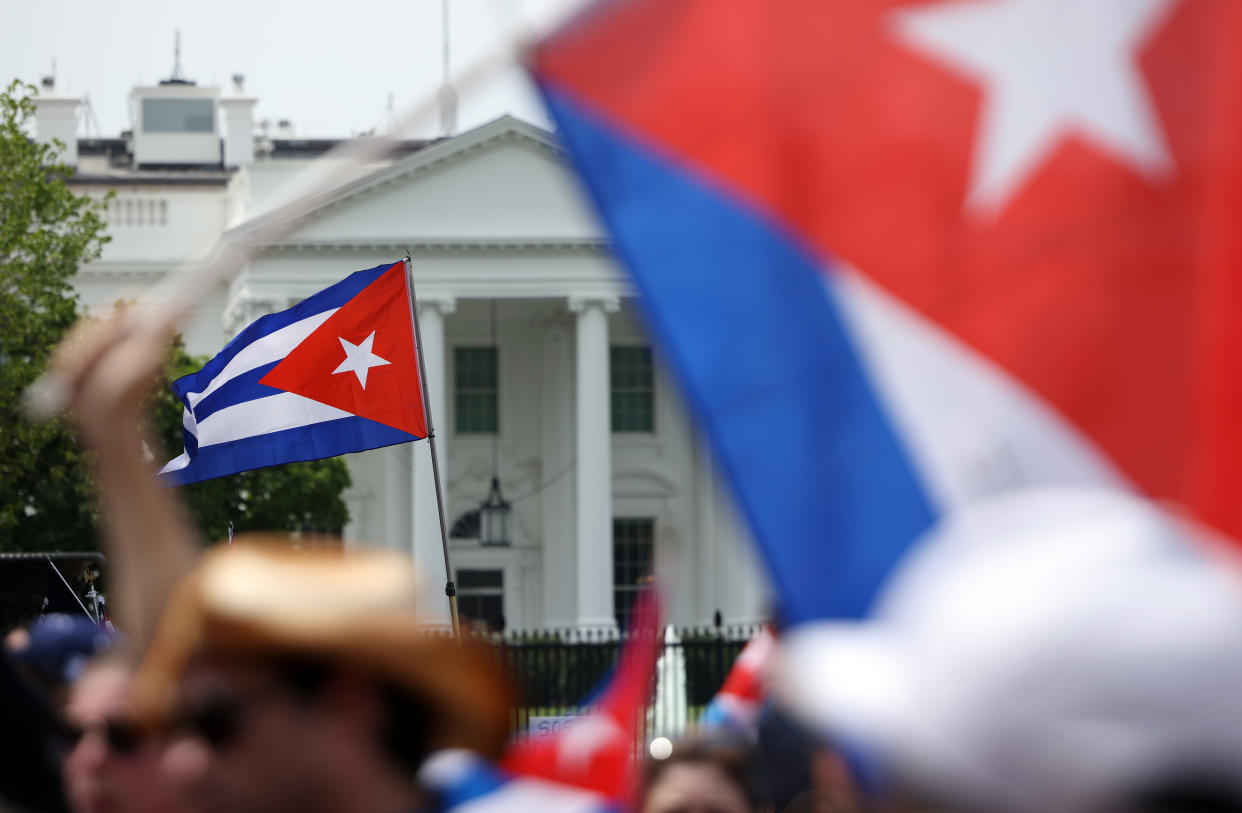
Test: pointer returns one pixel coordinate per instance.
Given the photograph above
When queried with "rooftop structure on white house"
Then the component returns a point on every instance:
(540, 373)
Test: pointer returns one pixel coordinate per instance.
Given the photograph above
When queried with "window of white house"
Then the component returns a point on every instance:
(633, 564)
(481, 597)
(633, 388)
(178, 115)
(477, 390)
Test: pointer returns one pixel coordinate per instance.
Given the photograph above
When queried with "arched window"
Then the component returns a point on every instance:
(466, 526)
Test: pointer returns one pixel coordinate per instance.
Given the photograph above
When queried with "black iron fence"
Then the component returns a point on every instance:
(559, 670)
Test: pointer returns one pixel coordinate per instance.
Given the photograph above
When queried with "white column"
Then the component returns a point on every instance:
(594, 469)
(709, 558)
(427, 550)
(397, 490)
(556, 407)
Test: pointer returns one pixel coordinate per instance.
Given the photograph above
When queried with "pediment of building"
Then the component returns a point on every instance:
(643, 483)
(504, 182)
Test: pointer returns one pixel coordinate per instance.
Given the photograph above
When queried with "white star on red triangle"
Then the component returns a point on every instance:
(1048, 69)
(359, 359)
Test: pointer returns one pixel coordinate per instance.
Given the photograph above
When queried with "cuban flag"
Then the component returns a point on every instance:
(600, 753)
(739, 703)
(336, 373)
(592, 765)
(905, 256)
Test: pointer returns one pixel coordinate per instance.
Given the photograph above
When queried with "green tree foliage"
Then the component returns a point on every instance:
(46, 495)
(303, 497)
(46, 233)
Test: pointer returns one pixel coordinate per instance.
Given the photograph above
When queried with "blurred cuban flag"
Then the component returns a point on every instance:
(944, 281)
(903, 256)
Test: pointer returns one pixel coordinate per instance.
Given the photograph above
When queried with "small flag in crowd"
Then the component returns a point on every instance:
(336, 373)
(599, 752)
(739, 702)
(588, 767)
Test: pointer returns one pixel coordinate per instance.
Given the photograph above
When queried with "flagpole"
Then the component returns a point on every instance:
(450, 588)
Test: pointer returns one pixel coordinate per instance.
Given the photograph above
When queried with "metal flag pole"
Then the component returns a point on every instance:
(450, 588)
(65, 582)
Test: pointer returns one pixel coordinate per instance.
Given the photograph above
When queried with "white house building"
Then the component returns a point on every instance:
(538, 365)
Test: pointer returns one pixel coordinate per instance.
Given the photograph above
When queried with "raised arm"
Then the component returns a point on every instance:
(109, 366)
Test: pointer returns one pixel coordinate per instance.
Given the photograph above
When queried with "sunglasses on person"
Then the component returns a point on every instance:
(122, 736)
(219, 718)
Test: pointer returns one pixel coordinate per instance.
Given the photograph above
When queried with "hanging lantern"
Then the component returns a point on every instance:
(494, 517)
(495, 510)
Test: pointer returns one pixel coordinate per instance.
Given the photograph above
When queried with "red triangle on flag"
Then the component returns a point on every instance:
(362, 359)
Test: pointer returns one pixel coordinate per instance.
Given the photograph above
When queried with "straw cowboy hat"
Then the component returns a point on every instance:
(357, 610)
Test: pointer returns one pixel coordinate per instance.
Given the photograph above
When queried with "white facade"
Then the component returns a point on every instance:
(492, 215)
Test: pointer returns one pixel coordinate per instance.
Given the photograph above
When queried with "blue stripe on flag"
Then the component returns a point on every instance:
(188, 440)
(310, 442)
(238, 390)
(741, 311)
(331, 297)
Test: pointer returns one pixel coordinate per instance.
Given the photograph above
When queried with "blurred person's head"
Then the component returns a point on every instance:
(1067, 650)
(56, 649)
(112, 763)
(797, 769)
(702, 774)
(300, 681)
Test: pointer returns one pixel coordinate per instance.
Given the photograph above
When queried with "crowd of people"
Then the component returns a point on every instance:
(264, 724)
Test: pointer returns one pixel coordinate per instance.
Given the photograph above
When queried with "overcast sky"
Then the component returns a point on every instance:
(328, 67)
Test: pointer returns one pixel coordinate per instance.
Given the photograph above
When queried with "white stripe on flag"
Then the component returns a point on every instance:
(263, 416)
(970, 428)
(177, 463)
(264, 350)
